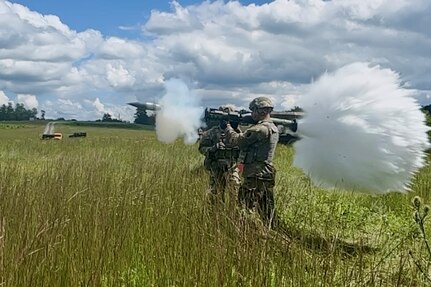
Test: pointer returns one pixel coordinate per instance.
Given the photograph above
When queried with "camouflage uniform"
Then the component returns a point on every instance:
(220, 161)
(257, 145)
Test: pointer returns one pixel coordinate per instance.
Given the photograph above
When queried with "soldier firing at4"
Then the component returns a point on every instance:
(257, 146)
(220, 160)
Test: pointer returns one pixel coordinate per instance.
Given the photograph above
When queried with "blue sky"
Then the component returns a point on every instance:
(107, 16)
(77, 59)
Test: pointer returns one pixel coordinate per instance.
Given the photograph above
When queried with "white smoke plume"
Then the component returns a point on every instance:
(362, 131)
(180, 114)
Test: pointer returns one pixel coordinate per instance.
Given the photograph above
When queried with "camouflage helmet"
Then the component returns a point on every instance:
(260, 103)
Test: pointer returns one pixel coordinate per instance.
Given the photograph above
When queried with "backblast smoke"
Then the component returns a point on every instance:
(362, 131)
(180, 114)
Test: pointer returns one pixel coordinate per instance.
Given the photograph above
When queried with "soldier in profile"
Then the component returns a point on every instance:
(220, 160)
(257, 146)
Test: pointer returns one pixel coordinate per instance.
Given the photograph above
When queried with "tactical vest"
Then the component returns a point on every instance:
(262, 151)
(221, 158)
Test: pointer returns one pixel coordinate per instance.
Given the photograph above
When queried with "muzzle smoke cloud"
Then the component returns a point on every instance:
(180, 114)
(362, 131)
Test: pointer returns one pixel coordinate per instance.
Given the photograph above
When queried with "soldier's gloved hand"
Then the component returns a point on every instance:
(217, 146)
(240, 166)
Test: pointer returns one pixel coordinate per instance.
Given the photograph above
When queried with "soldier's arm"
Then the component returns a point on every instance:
(205, 143)
(249, 137)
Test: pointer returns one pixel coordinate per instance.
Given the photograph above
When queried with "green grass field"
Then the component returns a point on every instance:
(120, 209)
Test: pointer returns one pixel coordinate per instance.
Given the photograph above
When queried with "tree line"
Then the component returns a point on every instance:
(18, 112)
(107, 117)
(141, 117)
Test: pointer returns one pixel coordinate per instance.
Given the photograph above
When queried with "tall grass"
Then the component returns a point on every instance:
(120, 209)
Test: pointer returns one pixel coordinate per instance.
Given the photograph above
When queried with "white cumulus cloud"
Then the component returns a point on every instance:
(4, 100)
(29, 101)
(230, 52)
(119, 76)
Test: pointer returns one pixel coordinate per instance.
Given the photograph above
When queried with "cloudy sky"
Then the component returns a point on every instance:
(79, 60)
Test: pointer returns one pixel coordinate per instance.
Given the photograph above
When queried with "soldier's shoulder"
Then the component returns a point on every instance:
(258, 128)
(264, 127)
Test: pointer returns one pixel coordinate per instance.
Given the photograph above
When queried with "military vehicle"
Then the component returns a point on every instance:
(54, 136)
(78, 135)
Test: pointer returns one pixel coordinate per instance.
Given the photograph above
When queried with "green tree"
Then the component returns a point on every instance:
(33, 113)
(107, 117)
(141, 117)
(21, 112)
(3, 112)
(10, 112)
(18, 113)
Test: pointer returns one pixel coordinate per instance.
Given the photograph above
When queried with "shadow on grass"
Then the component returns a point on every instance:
(319, 243)
(284, 236)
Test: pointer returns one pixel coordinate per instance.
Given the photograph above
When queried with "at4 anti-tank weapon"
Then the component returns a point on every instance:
(284, 120)
(239, 118)
(287, 125)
